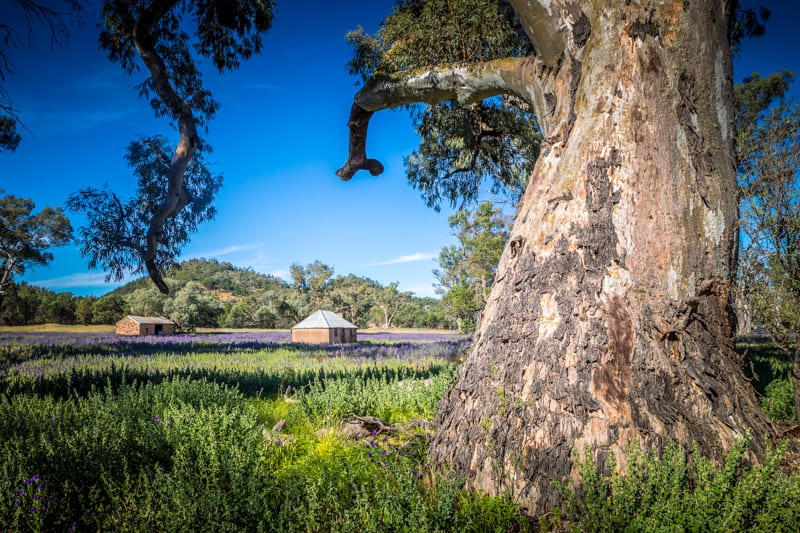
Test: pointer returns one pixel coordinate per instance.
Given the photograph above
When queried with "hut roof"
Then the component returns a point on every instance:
(150, 319)
(324, 320)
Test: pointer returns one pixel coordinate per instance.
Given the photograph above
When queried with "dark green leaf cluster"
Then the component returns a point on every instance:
(746, 24)
(461, 146)
(9, 138)
(225, 32)
(115, 234)
(464, 147)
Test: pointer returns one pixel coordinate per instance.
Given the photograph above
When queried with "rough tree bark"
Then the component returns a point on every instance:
(609, 322)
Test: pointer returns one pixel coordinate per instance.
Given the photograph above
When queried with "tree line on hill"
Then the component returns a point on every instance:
(210, 293)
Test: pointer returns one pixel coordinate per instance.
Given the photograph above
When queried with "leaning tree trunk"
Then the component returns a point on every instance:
(609, 322)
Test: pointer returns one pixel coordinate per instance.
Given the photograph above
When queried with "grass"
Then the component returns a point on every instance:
(182, 435)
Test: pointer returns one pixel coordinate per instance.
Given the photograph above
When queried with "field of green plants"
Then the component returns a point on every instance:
(248, 432)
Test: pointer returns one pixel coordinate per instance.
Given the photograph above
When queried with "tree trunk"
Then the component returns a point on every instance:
(610, 320)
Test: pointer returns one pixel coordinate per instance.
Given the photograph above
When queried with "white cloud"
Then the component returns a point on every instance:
(418, 256)
(421, 290)
(95, 279)
(65, 121)
(232, 249)
(283, 274)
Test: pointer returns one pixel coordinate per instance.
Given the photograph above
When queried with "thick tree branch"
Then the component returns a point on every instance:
(177, 197)
(468, 84)
(541, 21)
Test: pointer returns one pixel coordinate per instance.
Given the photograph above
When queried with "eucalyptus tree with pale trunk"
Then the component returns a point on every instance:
(609, 322)
(175, 188)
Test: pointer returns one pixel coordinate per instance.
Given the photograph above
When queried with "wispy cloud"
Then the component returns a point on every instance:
(232, 249)
(421, 290)
(72, 121)
(283, 274)
(89, 279)
(418, 256)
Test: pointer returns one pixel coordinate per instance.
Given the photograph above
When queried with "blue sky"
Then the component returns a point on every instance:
(278, 139)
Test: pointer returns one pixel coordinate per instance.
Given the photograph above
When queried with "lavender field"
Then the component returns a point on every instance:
(178, 433)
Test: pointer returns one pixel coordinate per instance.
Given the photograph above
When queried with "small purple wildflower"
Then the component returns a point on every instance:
(72, 526)
(156, 420)
(21, 492)
(40, 486)
(37, 497)
(17, 503)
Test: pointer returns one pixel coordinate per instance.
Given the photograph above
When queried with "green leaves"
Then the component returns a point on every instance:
(467, 270)
(464, 150)
(768, 174)
(25, 238)
(114, 237)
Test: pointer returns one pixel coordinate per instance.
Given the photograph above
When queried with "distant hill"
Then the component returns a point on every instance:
(215, 276)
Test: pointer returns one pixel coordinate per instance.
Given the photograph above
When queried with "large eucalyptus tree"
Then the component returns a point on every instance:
(609, 321)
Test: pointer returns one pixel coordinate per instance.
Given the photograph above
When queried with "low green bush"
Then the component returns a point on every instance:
(685, 492)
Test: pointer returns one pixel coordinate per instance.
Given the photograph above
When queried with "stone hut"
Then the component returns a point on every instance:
(324, 327)
(145, 325)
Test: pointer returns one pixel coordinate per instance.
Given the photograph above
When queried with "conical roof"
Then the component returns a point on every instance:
(324, 320)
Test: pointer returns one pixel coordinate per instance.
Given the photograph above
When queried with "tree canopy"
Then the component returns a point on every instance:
(25, 237)
(464, 146)
(169, 38)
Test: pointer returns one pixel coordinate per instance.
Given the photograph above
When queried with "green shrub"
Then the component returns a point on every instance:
(778, 400)
(679, 493)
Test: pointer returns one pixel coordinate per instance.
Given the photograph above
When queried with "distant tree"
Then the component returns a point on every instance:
(389, 301)
(466, 270)
(179, 190)
(311, 284)
(768, 156)
(57, 308)
(147, 301)
(353, 296)
(34, 14)
(21, 305)
(109, 309)
(752, 98)
(192, 307)
(464, 147)
(83, 309)
(242, 314)
(25, 238)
